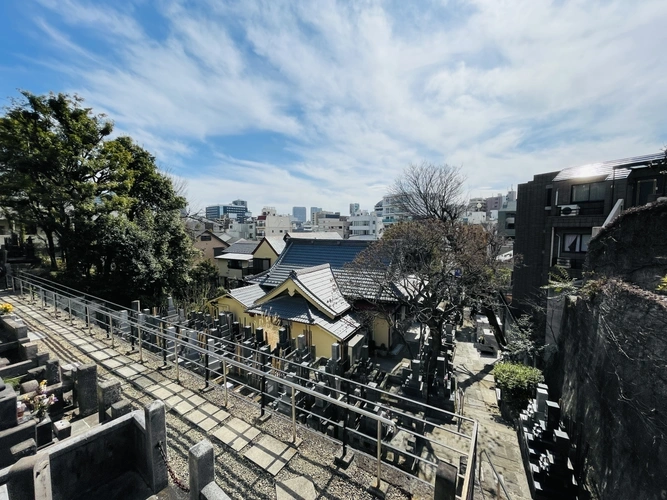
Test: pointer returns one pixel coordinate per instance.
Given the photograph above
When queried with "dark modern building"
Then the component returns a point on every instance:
(559, 212)
(238, 210)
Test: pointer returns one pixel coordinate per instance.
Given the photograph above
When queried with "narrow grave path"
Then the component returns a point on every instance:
(497, 437)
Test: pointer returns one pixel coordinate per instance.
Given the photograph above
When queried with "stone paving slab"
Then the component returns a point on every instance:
(130, 371)
(298, 488)
(144, 381)
(99, 355)
(183, 408)
(270, 454)
(236, 434)
(111, 364)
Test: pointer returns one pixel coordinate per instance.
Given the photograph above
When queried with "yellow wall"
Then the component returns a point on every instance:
(265, 251)
(321, 339)
(381, 332)
(228, 304)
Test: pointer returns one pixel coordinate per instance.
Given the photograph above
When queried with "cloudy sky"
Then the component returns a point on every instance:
(322, 103)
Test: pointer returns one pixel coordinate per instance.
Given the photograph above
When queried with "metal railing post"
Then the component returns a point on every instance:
(262, 402)
(90, 326)
(111, 331)
(21, 287)
(293, 416)
(55, 304)
(176, 354)
(207, 371)
(224, 378)
(69, 307)
(379, 454)
(141, 349)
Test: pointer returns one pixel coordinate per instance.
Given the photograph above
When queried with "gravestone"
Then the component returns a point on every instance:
(86, 389)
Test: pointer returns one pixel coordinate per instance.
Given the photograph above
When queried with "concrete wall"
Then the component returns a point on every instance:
(83, 463)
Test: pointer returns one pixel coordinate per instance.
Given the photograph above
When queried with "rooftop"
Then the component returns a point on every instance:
(242, 247)
(610, 170)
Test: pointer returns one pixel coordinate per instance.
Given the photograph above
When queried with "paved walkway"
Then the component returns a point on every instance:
(264, 450)
(268, 453)
(308, 466)
(498, 438)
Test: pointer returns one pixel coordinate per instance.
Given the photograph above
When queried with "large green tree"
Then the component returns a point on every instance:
(102, 201)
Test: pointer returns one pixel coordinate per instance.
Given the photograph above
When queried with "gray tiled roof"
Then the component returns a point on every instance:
(247, 295)
(242, 246)
(276, 242)
(301, 253)
(320, 285)
(614, 169)
(298, 309)
(316, 235)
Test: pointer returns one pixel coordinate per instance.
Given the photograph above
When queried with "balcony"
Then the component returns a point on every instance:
(581, 208)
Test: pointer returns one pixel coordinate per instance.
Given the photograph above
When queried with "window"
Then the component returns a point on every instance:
(588, 192)
(576, 243)
(205, 237)
(549, 193)
(235, 264)
(645, 188)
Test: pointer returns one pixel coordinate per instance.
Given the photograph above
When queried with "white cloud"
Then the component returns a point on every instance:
(358, 91)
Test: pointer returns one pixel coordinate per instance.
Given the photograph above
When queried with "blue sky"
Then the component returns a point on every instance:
(322, 103)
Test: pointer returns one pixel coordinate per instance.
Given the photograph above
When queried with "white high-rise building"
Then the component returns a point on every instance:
(365, 226)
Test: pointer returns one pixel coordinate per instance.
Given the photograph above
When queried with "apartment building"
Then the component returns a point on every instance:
(558, 213)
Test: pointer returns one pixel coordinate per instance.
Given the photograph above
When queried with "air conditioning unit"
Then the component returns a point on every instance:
(569, 210)
(567, 263)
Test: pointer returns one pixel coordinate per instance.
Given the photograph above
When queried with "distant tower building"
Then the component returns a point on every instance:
(237, 210)
(354, 208)
(299, 214)
(313, 211)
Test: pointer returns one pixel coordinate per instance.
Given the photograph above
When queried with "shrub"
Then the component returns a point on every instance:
(518, 383)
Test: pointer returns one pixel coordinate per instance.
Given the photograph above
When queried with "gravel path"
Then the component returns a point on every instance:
(237, 476)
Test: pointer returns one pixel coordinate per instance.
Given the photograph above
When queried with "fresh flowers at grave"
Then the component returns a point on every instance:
(40, 402)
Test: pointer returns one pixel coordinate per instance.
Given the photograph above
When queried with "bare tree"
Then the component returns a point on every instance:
(429, 191)
(428, 266)
(431, 264)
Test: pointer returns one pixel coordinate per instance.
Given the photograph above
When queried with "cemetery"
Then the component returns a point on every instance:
(376, 411)
(546, 449)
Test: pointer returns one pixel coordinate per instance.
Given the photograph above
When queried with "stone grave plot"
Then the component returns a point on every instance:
(236, 434)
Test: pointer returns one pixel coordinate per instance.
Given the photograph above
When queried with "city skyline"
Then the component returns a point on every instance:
(288, 104)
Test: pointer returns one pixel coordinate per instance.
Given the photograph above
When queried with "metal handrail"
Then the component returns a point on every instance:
(160, 332)
(499, 480)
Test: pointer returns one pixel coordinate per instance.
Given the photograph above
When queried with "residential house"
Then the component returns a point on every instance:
(558, 213)
(310, 290)
(235, 263)
(267, 252)
(211, 244)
